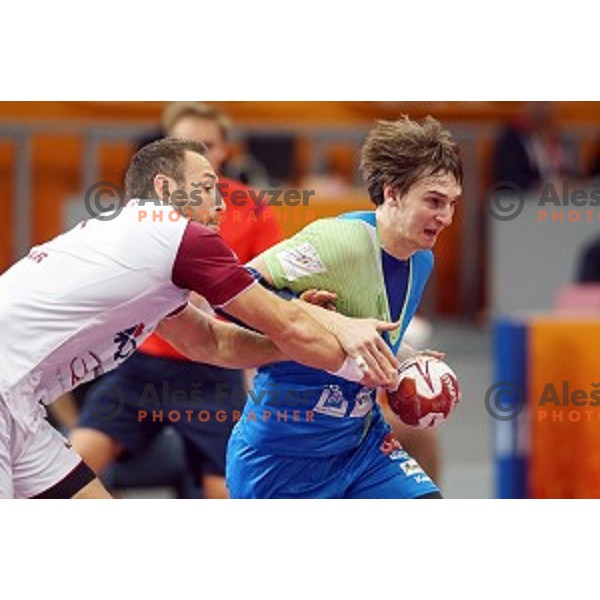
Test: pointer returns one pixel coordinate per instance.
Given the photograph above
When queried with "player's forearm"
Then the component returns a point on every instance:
(327, 318)
(204, 339)
(292, 329)
(240, 348)
(308, 342)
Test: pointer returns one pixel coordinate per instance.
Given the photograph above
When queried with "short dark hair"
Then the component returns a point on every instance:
(166, 156)
(400, 152)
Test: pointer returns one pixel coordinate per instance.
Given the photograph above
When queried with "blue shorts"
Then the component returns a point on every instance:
(378, 468)
(145, 394)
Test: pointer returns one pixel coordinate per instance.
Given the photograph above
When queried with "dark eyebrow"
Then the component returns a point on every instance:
(442, 195)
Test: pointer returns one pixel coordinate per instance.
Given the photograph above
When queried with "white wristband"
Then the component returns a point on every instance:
(350, 370)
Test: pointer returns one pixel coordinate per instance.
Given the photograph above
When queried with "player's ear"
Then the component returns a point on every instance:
(389, 194)
(161, 185)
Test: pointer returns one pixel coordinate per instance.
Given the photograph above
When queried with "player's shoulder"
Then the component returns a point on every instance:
(147, 232)
(342, 238)
(359, 222)
(341, 227)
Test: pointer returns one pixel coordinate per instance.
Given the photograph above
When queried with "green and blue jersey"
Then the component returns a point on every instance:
(296, 410)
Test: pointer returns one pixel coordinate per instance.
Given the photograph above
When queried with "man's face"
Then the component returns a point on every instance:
(206, 131)
(196, 197)
(418, 217)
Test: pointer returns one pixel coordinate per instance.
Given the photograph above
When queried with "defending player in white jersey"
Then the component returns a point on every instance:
(81, 304)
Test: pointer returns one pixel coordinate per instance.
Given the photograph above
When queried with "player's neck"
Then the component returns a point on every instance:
(399, 248)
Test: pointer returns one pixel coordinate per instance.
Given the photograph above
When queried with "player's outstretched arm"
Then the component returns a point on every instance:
(305, 340)
(205, 339)
(358, 337)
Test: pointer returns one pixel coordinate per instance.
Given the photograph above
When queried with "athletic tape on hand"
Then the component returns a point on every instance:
(350, 370)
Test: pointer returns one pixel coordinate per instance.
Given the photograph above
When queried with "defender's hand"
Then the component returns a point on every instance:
(361, 339)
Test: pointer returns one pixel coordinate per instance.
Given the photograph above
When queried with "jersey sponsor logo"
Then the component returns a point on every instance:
(411, 467)
(37, 255)
(126, 341)
(301, 261)
(80, 368)
(391, 446)
(363, 403)
(423, 479)
(332, 402)
(398, 455)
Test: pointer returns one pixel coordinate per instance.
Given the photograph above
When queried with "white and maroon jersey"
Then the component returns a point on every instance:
(81, 304)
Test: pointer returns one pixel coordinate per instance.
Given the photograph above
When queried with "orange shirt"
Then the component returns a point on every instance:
(247, 228)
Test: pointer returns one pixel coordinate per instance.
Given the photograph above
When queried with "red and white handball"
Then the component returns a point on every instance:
(427, 392)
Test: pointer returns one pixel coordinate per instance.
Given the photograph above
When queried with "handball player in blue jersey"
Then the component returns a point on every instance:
(305, 433)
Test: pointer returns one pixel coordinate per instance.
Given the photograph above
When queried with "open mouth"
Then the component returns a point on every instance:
(431, 233)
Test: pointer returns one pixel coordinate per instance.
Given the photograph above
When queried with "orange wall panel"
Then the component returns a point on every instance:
(56, 175)
(565, 448)
(6, 204)
(337, 112)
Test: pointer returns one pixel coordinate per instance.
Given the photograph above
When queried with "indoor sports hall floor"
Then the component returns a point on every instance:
(466, 439)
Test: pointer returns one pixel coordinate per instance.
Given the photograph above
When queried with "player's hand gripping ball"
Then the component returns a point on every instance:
(427, 392)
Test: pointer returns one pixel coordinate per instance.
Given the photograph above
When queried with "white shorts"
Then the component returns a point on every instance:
(33, 459)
